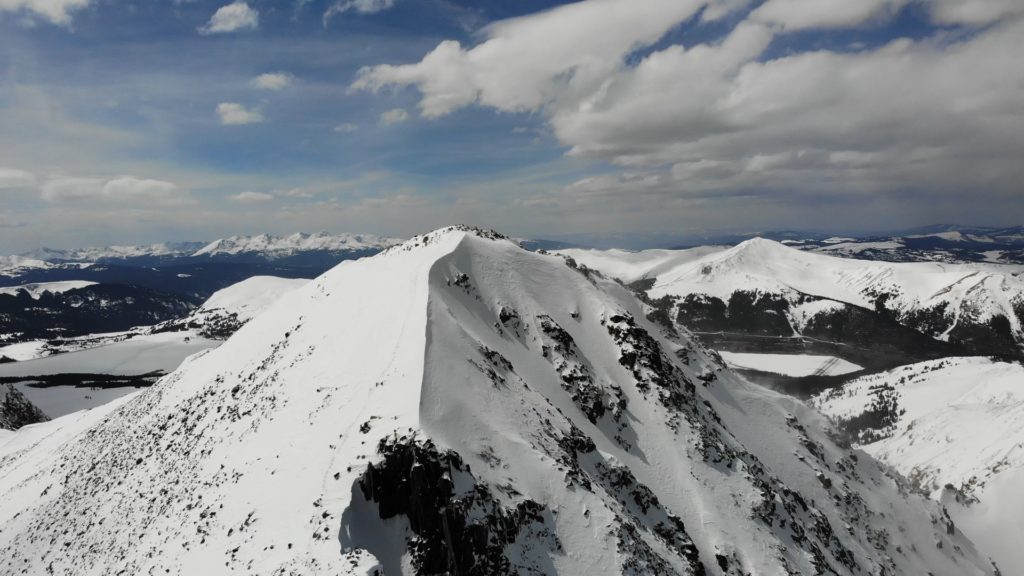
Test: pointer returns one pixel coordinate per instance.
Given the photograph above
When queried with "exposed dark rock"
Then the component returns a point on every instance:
(464, 534)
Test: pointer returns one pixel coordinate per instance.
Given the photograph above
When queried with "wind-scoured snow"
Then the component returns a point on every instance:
(956, 422)
(796, 365)
(459, 403)
(36, 290)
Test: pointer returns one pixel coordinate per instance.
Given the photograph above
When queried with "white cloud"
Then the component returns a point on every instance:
(234, 114)
(231, 18)
(346, 128)
(251, 197)
(14, 178)
(272, 81)
(974, 12)
(529, 62)
(123, 189)
(54, 11)
(936, 115)
(803, 14)
(360, 6)
(394, 116)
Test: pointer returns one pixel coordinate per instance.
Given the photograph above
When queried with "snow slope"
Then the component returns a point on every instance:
(228, 309)
(790, 364)
(249, 297)
(630, 266)
(453, 403)
(36, 290)
(956, 422)
(957, 293)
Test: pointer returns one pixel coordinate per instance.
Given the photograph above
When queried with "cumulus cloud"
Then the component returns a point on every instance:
(937, 114)
(359, 6)
(394, 116)
(123, 189)
(529, 62)
(272, 81)
(235, 114)
(251, 197)
(345, 128)
(54, 11)
(231, 18)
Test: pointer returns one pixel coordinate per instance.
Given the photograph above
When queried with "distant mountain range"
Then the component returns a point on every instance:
(766, 295)
(192, 269)
(258, 248)
(941, 242)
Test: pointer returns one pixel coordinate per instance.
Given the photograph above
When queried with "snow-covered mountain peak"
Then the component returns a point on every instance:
(757, 252)
(458, 404)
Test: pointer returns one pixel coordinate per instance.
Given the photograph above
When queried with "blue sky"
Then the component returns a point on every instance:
(127, 122)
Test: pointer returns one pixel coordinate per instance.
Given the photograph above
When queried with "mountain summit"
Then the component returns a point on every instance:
(458, 405)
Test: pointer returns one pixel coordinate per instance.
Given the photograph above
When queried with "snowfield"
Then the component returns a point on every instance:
(141, 354)
(458, 403)
(36, 290)
(24, 350)
(796, 365)
(955, 422)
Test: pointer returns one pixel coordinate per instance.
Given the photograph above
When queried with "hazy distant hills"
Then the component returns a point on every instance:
(195, 269)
